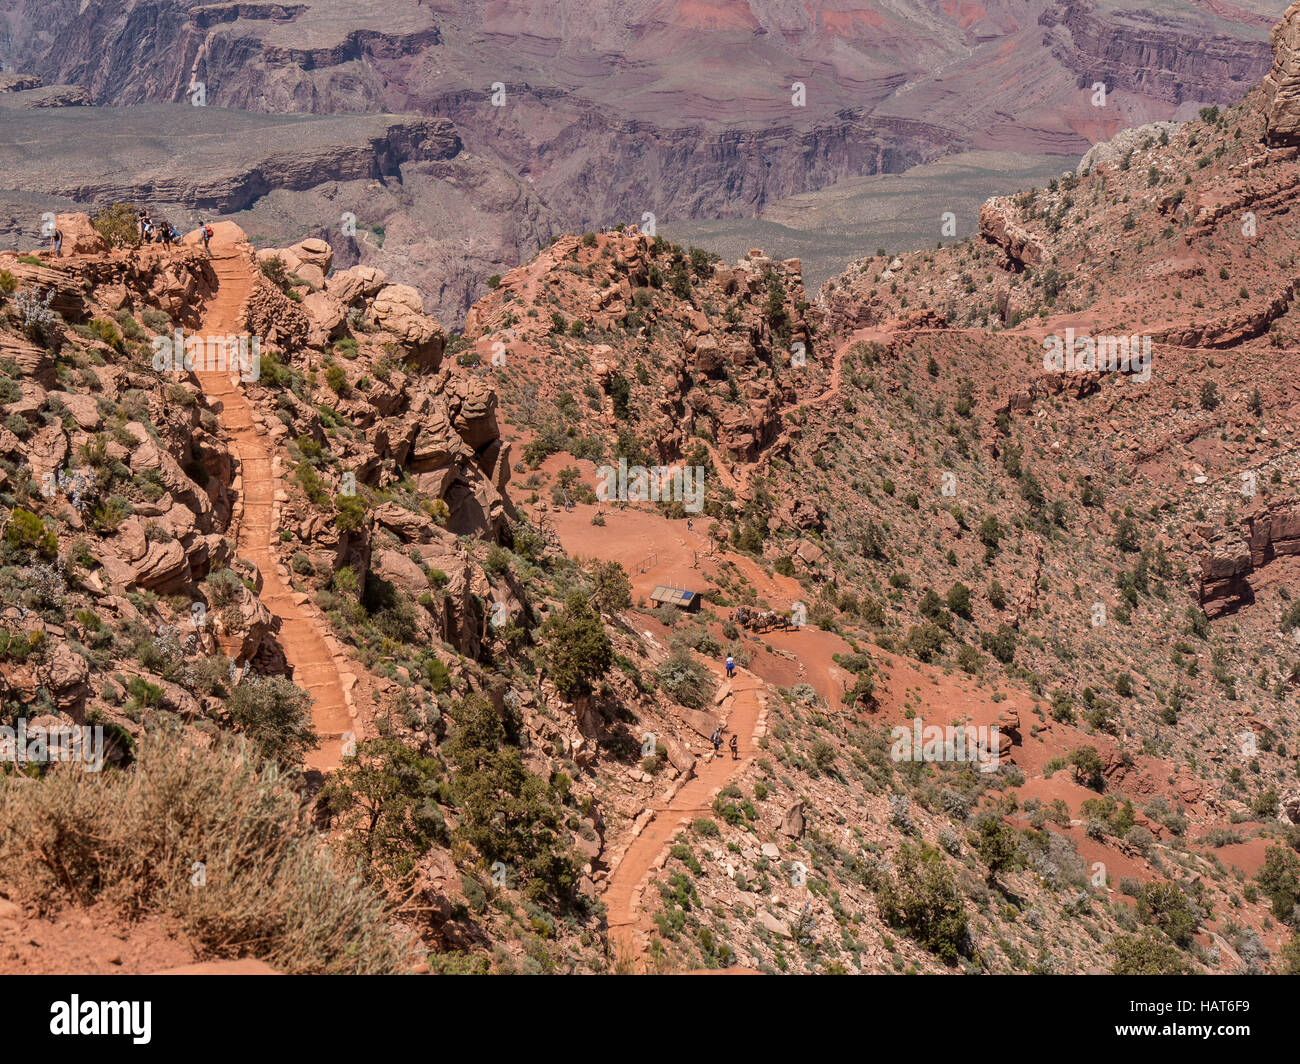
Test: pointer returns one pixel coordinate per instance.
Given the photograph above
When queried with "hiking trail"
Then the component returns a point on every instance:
(254, 522)
(744, 709)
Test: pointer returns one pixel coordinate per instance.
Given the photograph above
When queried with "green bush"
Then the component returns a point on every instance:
(685, 680)
(925, 641)
(26, 532)
(924, 901)
(575, 647)
(384, 802)
(1001, 643)
(1167, 907)
(612, 590)
(275, 271)
(336, 377)
(1279, 879)
(1087, 765)
(276, 716)
(312, 484)
(351, 512)
(1146, 955)
(504, 811)
(119, 225)
(107, 332)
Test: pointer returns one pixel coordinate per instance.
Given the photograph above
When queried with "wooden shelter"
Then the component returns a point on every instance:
(663, 595)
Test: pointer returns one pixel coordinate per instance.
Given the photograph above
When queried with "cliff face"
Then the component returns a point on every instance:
(1145, 53)
(646, 86)
(691, 113)
(291, 156)
(1281, 89)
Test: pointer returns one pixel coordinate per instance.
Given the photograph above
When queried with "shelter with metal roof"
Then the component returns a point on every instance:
(664, 595)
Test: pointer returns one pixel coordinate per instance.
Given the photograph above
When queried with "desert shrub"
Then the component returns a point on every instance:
(1166, 906)
(384, 799)
(130, 327)
(351, 512)
(276, 716)
(275, 271)
(26, 533)
(119, 225)
(612, 590)
(132, 838)
(104, 330)
(19, 646)
(923, 900)
(685, 680)
(312, 484)
(225, 588)
(575, 647)
(1087, 765)
(620, 392)
(40, 322)
(1001, 643)
(337, 378)
(925, 641)
(997, 846)
(1279, 879)
(969, 660)
(155, 319)
(823, 755)
(504, 811)
(1146, 955)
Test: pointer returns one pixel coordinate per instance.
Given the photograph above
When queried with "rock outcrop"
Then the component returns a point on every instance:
(1267, 531)
(998, 225)
(1281, 88)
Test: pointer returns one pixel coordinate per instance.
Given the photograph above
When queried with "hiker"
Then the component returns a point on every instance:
(690, 525)
(165, 233)
(717, 741)
(731, 666)
(205, 231)
(58, 242)
(735, 747)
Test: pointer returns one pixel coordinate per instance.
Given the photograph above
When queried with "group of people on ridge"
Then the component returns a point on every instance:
(162, 231)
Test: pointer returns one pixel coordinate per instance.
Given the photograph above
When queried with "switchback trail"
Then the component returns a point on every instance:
(629, 923)
(254, 523)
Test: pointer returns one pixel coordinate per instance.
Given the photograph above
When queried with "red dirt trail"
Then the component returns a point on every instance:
(300, 638)
(629, 923)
